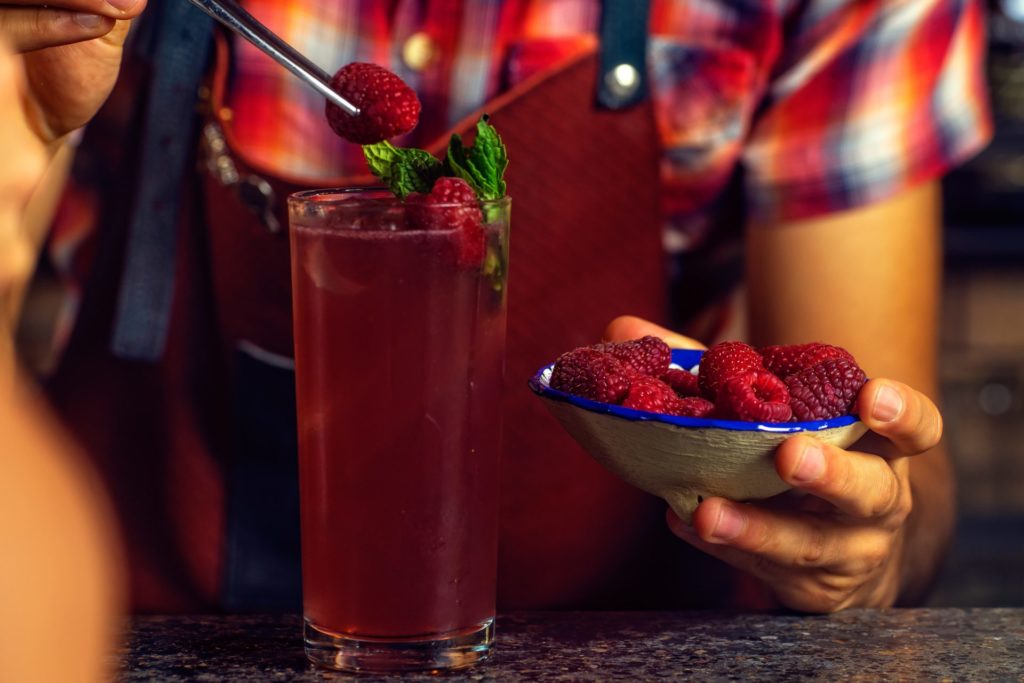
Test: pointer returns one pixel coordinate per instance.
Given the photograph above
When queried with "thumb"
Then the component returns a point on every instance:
(119, 33)
(630, 327)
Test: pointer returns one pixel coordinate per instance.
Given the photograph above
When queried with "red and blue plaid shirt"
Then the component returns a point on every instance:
(825, 104)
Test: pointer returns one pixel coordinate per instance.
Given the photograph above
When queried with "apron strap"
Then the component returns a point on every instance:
(623, 66)
(181, 51)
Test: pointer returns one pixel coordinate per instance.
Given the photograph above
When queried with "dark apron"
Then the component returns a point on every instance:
(199, 447)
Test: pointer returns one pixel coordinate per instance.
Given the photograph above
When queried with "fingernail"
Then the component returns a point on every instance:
(888, 404)
(811, 465)
(123, 5)
(89, 21)
(730, 524)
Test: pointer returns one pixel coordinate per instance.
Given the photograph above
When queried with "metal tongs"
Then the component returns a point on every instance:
(232, 15)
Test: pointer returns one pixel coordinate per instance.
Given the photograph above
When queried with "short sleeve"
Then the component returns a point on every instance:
(868, 98)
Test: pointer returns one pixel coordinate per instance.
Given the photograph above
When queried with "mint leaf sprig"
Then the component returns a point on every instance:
(406, 169)
(403, 170)
(482, 165)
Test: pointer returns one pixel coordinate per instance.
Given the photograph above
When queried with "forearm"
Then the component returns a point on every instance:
(57, 523)
(869, 280)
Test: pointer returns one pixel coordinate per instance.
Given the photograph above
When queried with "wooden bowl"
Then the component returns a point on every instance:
(685, 459)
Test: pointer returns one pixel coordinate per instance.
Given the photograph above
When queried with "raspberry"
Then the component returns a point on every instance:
(451, 205)
(784, 360)
(387, 106)
(590, 374)
(754, 396)
(652, 395)
(682, 382)
(648, 355)
(825, 390)
(694, 406)
(722, 361)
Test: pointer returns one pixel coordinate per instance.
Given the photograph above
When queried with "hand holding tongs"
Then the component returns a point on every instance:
(231, 14)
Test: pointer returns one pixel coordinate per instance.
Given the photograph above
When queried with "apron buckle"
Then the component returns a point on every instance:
(252, 191)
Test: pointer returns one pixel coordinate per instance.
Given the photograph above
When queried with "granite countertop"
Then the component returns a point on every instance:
(901, 644)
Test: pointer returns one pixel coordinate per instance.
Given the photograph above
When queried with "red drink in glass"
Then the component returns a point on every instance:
(399, 363)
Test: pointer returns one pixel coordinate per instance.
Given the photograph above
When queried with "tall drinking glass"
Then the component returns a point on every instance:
(399, 354)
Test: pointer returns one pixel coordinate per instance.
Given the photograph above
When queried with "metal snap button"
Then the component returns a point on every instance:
(622, 81)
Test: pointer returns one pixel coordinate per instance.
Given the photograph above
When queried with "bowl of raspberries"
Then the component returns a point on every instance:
(688, 424)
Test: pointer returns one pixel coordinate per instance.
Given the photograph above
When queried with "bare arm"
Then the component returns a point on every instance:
(60, 569)
(868, 280)
(60, 577)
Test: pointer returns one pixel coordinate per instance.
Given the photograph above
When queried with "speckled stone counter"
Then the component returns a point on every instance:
(913, 645)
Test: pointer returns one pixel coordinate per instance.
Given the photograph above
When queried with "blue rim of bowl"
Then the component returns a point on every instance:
(684, 358)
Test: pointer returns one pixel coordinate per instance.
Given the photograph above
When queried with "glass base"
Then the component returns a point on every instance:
(443, 652)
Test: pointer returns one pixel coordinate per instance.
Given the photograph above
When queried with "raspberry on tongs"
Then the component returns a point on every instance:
(387, 106)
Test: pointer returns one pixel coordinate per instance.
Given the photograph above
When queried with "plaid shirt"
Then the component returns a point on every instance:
(816, 105)
(825, 105)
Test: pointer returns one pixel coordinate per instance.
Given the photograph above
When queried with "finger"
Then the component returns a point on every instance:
(795, 588)
(759, 567)
(119, 33)
(755, 536)
(630, 327)
(114, 9)
(799, 585)
(32, 28)
(777, 546)
(906, 417)
(860, 484)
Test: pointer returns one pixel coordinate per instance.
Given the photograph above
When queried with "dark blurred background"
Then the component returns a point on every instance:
(983, 340)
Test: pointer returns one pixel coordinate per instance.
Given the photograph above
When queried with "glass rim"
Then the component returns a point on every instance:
(374, 196)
